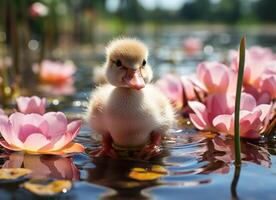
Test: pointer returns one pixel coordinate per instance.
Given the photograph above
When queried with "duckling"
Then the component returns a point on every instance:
(128, 111)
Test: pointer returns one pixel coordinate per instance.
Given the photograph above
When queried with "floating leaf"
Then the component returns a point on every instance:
(13, 173)
(41, 188)
(143, 174)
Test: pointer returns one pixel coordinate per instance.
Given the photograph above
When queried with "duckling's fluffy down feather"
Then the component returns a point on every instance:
(130, 116)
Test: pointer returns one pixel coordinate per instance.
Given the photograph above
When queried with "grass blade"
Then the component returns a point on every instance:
(237, 103)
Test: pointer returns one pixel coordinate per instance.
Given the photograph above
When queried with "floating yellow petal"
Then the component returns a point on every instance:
(50, 189)
(13, 173)
(149, 174)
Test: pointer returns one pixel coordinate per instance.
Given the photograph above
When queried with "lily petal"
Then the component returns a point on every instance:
(224, 123)
(35, 142)
(57, 124)
(8, 146)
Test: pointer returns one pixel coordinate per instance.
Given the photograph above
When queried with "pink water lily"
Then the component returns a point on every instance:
(56, 73)
(2, 112)
(256, 60)
(32, 104)
(38, 9)
(216, 77)
(171, 86)
(40, 134)
(179, 90)
(192, 45)
(259, 73)
(217, 114)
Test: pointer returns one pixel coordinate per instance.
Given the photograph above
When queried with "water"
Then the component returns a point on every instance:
(193, 165)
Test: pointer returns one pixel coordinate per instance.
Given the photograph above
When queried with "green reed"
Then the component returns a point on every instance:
(237, 103)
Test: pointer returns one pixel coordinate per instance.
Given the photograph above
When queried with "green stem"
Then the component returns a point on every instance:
(237, 103)
(234, 183)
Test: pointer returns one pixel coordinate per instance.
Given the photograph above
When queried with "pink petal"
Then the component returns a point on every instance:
(264, 98)
(8, 146)
(248, 102)
(72, 130)
(24, 125)
(36, 105)
(26, 130)
(265, 110)
(188, 89)
(35, 142)
(57, 124)
(268, 84)
(224, 124)
(249, 123)
(32, 104)
(197, 122)
(216, 80)
(19, 119)
(200, 118)
(214, 75)
(171, 87)
(219, 104)
(5, 128)
(22, 103)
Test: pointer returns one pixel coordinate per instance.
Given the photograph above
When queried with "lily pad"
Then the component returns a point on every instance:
(11, 175)
(147, 174)
(48, 188)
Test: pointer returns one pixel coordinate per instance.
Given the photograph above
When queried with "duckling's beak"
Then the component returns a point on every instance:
(134, 79)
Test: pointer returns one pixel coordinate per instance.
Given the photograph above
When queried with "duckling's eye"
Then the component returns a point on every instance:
(144, 63)
(118, 63)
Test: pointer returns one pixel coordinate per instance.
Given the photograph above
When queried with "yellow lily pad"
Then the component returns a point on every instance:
(48, 189)
(13, 173)
(147, 174)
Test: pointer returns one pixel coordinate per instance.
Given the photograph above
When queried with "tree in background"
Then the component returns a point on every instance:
(265, 10)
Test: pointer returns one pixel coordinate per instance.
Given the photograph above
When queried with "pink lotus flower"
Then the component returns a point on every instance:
(40, 134)
(256, 60)
(44, 166)
(179, 90)
(38, 9)
(56, 73)
(32, 104)
(216, 77)
(171, 86)
(2, 112)
(192, 45)
(218, 115)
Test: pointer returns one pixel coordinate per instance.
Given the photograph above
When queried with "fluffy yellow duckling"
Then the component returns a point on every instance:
(128, 111)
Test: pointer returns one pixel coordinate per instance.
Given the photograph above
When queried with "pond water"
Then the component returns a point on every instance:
(192, 165)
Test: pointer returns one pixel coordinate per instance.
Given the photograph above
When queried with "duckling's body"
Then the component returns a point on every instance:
(127, 111)
(130, 116)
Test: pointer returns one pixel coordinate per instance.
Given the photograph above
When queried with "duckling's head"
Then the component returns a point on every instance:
(126, 63)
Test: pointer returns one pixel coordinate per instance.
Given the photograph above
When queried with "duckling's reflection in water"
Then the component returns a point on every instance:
(115, 174)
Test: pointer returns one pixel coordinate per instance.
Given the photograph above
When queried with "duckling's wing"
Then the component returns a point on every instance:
(166, 113)
(99, 98)
(96, 107)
